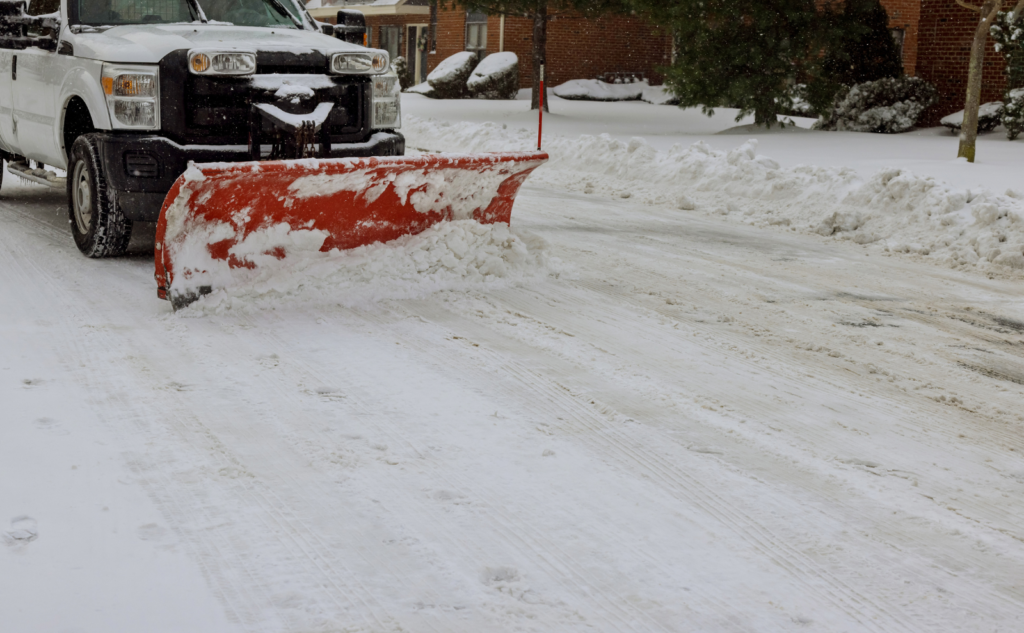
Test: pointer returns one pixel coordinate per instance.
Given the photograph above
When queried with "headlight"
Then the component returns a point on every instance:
(236, 63)
(133, 96)
(368, 63)
(387, 102)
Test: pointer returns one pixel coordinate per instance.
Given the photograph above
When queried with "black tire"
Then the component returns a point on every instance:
(97, 224)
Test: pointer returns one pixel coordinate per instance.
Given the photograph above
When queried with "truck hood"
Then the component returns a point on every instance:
(148, 44)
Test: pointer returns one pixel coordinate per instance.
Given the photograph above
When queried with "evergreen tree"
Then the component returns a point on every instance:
(860, 48)
(541, 12)
(739, 53)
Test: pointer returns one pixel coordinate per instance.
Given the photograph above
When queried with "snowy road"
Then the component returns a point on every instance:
(697, 426)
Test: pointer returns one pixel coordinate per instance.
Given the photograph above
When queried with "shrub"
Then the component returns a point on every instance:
(989, 116)
(496, 77)
(449, 78)
(796, 103)
(1013, 113)
(888, 106)
(1009, 41)
(401, 68)
(860, 49)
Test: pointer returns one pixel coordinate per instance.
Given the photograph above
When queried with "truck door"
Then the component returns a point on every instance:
(34, 90)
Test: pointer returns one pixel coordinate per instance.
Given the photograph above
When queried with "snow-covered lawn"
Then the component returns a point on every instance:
(666, 418)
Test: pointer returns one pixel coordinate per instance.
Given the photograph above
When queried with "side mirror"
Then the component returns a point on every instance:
(351, 27)
(18, 30)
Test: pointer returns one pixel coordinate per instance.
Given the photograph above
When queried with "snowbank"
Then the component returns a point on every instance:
(424, 89)
(594, 90)
(457, 255)
(658, 95)
(894, 209)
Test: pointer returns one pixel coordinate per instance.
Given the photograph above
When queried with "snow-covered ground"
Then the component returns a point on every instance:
(929, 152)
(666, 419)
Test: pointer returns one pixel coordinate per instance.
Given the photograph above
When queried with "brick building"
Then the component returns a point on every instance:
(947, 31)
(577, 47)
(934, 35)
(937, 48)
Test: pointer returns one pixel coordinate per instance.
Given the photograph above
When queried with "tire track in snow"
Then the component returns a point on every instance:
(24, 256)
(208, 550)
(662, 255)
(594, 428)
(916, 423)
(512, 527)
(547, 308)
(462, 329)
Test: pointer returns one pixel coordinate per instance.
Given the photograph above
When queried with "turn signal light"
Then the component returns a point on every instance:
(200, 63)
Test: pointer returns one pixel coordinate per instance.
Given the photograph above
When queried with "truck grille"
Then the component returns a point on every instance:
(215, 110)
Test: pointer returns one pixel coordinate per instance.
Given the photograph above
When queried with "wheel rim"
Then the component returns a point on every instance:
(81, 198)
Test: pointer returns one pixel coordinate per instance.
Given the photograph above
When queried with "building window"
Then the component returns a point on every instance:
(390, 37)
(476, 31)
(433, 26)
(898, 36)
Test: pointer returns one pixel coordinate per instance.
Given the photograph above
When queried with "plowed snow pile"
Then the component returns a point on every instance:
(895, 210)
(457, 255)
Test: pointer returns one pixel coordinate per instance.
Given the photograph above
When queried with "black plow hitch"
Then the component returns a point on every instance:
(290, 136)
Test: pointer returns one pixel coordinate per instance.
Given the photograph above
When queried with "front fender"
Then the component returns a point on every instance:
(83, 81)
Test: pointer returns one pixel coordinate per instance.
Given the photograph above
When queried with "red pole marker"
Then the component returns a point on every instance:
(540, 126)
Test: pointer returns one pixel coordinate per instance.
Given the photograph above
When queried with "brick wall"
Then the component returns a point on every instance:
(577, 48)
(906, 15)
(944, 50)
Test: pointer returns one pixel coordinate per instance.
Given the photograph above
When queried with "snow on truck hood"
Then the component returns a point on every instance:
(148, 44)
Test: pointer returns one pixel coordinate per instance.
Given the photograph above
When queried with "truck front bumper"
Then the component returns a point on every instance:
(141, 168)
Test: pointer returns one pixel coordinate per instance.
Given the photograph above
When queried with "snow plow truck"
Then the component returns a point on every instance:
(247, 130)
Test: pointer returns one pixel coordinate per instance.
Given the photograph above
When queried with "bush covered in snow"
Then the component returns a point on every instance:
(796, 102)
(989, 116)
(401, 68)
(888, 106)
(449, 78)
(1013, 114)
(597, 90)
(496, 77)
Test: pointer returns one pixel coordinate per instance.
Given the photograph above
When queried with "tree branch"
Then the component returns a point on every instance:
(968, 6)
(1017, 12)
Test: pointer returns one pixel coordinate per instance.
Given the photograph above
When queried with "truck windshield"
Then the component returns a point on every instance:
(274, 13)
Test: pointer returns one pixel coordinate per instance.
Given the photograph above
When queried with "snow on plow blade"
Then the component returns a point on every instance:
(221, 223)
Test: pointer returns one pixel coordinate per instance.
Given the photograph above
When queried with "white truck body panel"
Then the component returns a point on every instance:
(32, 106)
(147, 44)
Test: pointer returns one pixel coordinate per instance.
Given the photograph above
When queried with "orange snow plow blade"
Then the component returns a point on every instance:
(221, 220)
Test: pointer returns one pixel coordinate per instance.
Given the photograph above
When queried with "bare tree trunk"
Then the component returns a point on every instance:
(540, 53)
(969, 130)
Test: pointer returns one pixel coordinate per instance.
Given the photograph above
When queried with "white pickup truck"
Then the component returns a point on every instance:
(122, 94)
